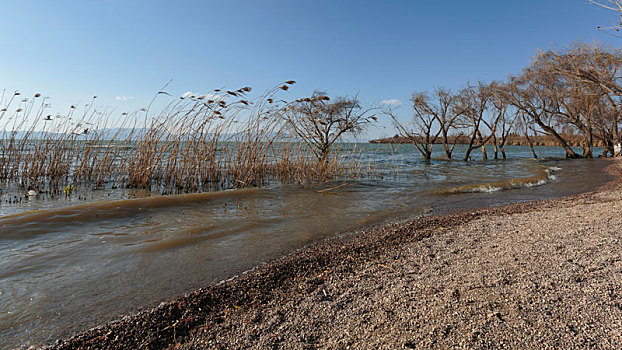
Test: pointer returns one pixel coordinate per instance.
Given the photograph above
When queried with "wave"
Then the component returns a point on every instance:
(547, 176)
(31, 223)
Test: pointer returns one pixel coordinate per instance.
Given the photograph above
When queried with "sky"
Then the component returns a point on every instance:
(125, 51)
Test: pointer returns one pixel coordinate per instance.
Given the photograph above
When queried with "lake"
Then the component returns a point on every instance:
(69, 263)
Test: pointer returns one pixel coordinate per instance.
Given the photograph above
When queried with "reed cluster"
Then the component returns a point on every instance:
(215, 141)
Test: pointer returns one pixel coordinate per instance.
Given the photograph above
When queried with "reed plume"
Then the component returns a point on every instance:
(195, 143)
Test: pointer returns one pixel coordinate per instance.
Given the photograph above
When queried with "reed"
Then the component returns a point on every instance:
(220, 140)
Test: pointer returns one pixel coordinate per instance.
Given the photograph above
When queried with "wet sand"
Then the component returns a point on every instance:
(537, 274)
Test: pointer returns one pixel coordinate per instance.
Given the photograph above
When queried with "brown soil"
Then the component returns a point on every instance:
(541, 274)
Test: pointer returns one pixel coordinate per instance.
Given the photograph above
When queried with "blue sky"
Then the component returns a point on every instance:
(380, 50)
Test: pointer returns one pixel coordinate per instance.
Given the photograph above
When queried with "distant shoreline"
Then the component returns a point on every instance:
(512, 140)
(403, 285)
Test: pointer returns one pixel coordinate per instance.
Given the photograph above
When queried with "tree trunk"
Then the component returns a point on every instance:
(609, 147)
(587, 151)
(533, 151)
(428, 152)
(448, 150)
(502, 144)
(483, 146)
(448, 153)
(587, 144)
(569, 152)
(496, 147)
(467, 154)
(323, 155)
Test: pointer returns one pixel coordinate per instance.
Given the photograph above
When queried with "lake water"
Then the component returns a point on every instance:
(67, 264)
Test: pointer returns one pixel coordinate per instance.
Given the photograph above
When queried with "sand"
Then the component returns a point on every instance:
(542, 274)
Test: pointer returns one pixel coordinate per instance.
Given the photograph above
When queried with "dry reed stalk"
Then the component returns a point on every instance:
(193, 144)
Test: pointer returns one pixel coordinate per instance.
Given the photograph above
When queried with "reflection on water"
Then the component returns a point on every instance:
(67, 264)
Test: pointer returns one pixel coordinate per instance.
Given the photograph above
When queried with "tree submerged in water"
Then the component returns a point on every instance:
(319, 122)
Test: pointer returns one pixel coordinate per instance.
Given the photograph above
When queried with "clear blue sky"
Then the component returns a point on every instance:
(382, 50)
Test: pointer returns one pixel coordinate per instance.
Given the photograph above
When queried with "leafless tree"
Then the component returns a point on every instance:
(530, 94)
(589, 77)
(319, 122)
(474, 101)
(573, 96)
(447, 113)
(527, 127)
(421, 130)
(503, 118)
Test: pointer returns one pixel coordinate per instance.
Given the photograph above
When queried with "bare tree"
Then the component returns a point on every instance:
(319, 122)
(530, 94)
(589, 76)
(588, 64)
(505, 119)
(474, 101)
(607, 121)
(447, 113)
(573, 106)
(574, 96)
(421, 131)
(526, 125)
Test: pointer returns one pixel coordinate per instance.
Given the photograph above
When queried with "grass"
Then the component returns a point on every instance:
(216, 141)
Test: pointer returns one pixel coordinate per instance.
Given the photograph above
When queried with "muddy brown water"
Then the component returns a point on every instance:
(69, 264)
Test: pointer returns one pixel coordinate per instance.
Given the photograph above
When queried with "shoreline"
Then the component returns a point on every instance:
(208, 316)
(514, 140)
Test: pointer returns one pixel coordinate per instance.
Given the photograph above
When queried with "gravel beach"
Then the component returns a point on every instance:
(542, 274)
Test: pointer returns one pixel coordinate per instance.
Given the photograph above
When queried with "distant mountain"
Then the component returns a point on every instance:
(104, 134)
(113, 133)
